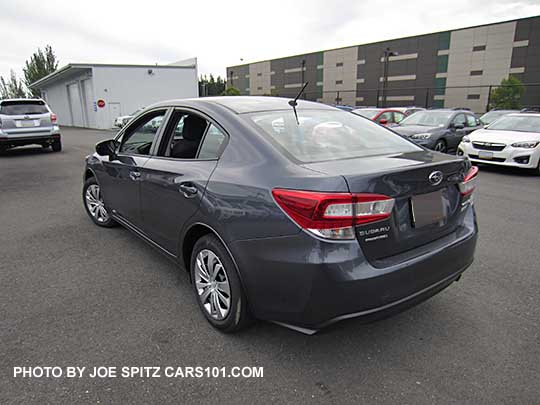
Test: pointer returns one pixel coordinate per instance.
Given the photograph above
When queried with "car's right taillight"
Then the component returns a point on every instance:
(468, 185)
(53, 118)
(332, 215)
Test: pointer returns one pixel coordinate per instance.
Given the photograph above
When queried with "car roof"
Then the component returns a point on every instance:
(248, 104)
(531, 114)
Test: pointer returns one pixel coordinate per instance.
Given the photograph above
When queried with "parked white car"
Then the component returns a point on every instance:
(512, 140)
(124, 119)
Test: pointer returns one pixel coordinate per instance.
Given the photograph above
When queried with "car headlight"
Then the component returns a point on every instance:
(466, 139)
(526, 145)
(421, 136)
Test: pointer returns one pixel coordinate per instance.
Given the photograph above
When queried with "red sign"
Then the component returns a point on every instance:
(101, 103)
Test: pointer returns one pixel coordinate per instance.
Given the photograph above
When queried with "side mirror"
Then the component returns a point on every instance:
(106, 148)
(382, 121)
(457, 126)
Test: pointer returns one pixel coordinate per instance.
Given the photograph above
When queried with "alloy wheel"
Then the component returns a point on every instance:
(212, 284)
(95, 205)
(440, 147)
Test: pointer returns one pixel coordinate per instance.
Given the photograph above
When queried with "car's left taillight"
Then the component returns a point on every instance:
(53, 118)
(332, 215)
(467, 186)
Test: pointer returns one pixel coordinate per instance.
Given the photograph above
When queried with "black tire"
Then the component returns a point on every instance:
(109, 222)
(45, 145)
(440, 146)
(238, 316)
(57, 146)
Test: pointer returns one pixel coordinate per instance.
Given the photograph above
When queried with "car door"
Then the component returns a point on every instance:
(457, 130)
(172, 184)
(122, 173)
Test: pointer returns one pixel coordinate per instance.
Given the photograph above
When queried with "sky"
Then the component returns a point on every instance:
(224, 33)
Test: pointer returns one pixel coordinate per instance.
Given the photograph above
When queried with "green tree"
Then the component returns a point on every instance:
(210, 86)
(508, 95)
(12, 88)
(231, 91)
(41, 64)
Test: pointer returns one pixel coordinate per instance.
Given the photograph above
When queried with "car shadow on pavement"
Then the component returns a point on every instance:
(511, 171)
(25, 151)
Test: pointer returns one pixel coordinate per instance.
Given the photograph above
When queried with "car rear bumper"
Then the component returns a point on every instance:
(301, 281)
(21, 140)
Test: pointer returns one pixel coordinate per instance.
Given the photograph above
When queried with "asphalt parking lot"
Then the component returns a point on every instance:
(75, 294)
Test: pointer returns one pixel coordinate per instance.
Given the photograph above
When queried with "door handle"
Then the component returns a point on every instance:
(188, 189)
(135, 175)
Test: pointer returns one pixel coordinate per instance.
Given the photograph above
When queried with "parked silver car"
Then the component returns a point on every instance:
(28, 122)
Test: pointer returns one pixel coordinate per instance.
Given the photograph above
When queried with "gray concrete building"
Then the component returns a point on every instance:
(443, 69)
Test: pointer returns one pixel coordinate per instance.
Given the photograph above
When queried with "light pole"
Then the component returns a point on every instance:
(302, 68)
(386, 57)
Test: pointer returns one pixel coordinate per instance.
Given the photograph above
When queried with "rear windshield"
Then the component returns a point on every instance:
(23, 107)
(328, 135)
(518, 123)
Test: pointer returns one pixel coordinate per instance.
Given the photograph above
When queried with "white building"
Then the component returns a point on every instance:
(93, 95)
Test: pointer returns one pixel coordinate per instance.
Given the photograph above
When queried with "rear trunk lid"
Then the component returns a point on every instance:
(424, 210)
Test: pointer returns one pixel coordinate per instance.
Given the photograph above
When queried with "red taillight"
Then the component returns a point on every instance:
(333, 215)
(53, 118)
(467, 186)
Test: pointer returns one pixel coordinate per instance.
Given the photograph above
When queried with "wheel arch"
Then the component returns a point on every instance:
(88, 173)
(196, 231)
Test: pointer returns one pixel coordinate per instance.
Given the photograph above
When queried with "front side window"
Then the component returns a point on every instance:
(398, 117)
(471, 121)
(138, 139)
(327, 135)
(460, 120)
(387, 116)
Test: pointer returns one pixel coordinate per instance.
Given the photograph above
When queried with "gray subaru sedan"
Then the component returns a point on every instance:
(288, 211)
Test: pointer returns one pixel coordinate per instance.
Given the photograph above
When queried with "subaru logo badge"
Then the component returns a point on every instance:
(435, 178)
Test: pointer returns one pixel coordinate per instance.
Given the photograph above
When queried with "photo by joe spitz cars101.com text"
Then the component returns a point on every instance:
(288, 211)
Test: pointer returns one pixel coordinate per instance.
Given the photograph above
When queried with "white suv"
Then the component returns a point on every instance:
(512, 140)
(26, 121)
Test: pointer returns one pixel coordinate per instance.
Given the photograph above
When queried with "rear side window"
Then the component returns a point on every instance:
(212, 144)
(328, 135)
(26, 107)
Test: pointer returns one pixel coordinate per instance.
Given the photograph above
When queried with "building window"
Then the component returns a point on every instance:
(444, 40)
(473, 97)
(479, 48)
(259, 74)
(442, 63)
(339, 64)
(259, 88)
(339, 81)
(440, 86)
(476, 72)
